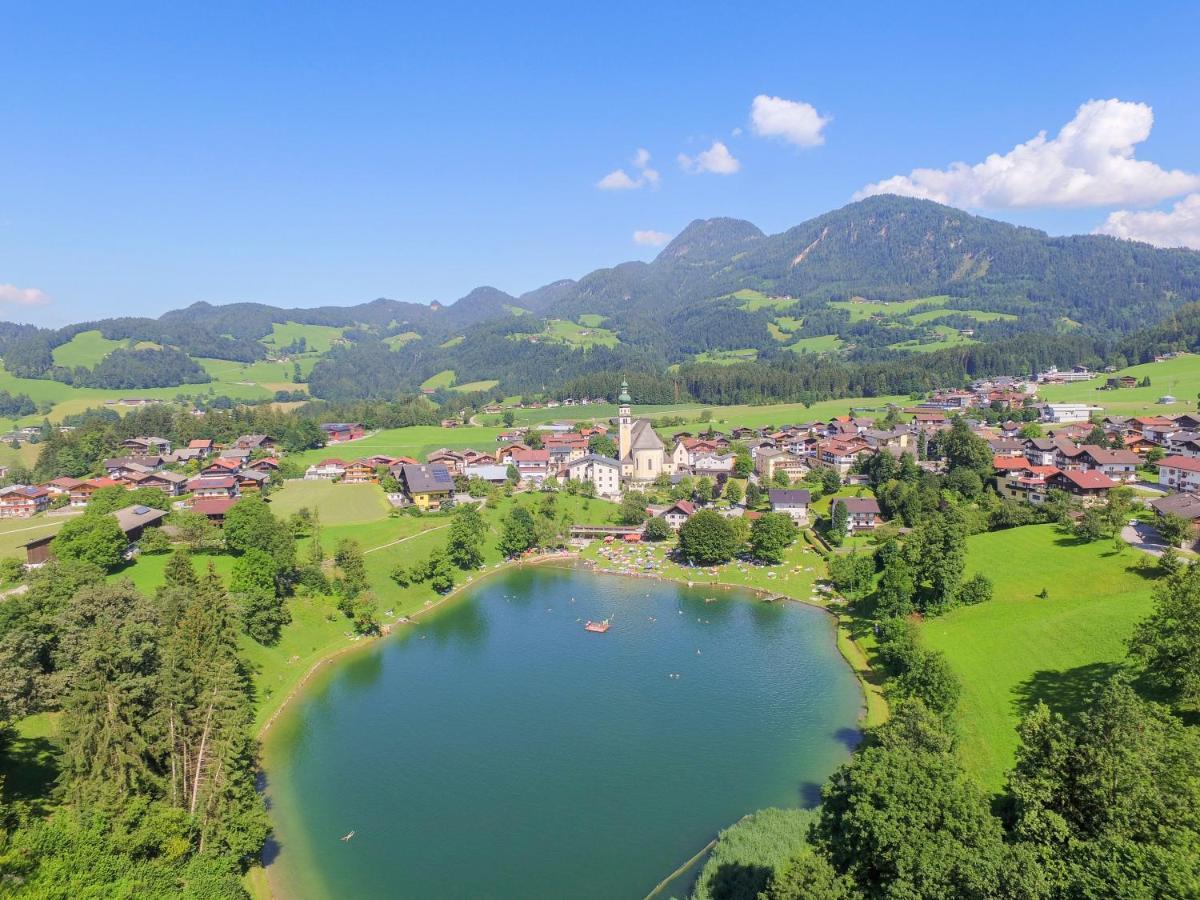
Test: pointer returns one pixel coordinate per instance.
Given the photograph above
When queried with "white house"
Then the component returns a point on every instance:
(1180, 472)
(1063, 413)
(603, 473)
(793, 502)
(678, 513)
(325, 469)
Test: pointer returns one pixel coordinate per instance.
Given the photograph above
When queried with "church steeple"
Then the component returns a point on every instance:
(624, 398)
(624, 423)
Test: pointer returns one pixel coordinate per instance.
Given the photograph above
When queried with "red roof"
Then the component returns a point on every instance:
(198, 483)
(223, 463)
(99, 483)
(1187, 463)
(213, 506)
(1009, 463)
(1091, 480)
(531, 456)
(200, 444)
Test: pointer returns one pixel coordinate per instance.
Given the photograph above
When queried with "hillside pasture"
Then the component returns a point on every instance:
(396, 341)
(85, 349)
(727, 357)
(820, 344)
(442, 379)
(484, 385)
(978, 315)
(861, 309)
(317, 338)
(1019, 649)
(753, 301)
(577, 334)
(1179, 377)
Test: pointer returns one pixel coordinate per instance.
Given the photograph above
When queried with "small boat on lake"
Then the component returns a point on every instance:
(599, 627)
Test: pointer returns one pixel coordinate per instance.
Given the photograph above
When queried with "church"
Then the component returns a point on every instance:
(641, 452)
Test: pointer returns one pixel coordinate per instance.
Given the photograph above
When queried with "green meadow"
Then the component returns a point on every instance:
(860, 309)
(1179, 377)
(1019, 648)
(442, 379)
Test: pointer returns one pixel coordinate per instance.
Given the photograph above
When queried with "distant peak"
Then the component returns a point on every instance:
(705, 238)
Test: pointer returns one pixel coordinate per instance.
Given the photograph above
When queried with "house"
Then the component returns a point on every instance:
(793, 502)
(214, 508)
(840, 453)
(1029, 484)
(170, 483)
(123, 465)
(532, 465)
(1182, 473)
(81, 494)
(251, 480)
(428, 486)
(265, 464)
(453, 460)
(340, 432)
(714, 464)
(1091, 487)
(222, 466)
(359, 471)
(61, 486)
(202, 446)
(863, 513)
(1040, 451)
(134, 520)
(1185, 505)
(326, 468)
(602, 472)
(20, 501)
(1119, 465)
(241, 454)
(678, 513)
(255, 442)
(147, 446)
(213, 486)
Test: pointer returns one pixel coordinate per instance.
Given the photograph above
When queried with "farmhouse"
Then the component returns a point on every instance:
(359, 471)
(340, 432)
(20, 501)
(82, 493)
(1091, 487)
(134, 520)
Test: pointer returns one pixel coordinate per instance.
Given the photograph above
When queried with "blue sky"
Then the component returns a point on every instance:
(302, 154)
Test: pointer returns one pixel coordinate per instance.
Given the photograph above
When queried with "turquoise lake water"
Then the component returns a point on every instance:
(498, 750)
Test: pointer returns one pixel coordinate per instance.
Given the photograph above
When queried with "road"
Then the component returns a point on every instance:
(1143, 537)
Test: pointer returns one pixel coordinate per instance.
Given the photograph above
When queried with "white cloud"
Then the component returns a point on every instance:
(795, 121)
(10, 293)
(620, 180)
(1089, 163)
(716, 159)
(651, 238)
(1180, 227)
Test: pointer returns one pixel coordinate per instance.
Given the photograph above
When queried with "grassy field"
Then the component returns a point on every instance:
(977, 314)
(592, 320)
(821, 344)
(1019, 649)
(949, 337)
(1179, 377)
(85, 349)
(339, 504)
(317, 338)
(15, 532)
(864, 309)
(148, 571)
(399, 340)
(727, 357)
(453, 342)
(266, 374)
(579, 335)
(416, 441)
(442, 379)
(475, 386)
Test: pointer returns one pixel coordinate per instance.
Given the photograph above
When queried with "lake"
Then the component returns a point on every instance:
(496, 749)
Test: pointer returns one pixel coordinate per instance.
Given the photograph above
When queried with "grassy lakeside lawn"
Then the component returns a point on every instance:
(339, 504)
(30, 764)
(1179, 377)
(1018, 649)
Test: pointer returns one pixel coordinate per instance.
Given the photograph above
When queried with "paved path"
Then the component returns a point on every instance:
(1143, 537)
(409, 538)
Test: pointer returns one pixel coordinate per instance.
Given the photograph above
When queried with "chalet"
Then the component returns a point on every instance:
(1091, 487)
(1185, 505)
(202, 446)
(122, 465)
(359, 471)
(863, 513)
(61, 486)
(794, 503)
(213, 508)
(147, 446)
(1119, 465)
(340, 432)
(603, 473)
(184, 455)
(428, 486)
(326, 469)
(453, 460)
(504, 454)
(255, 442)
(1029, 484)
(473, 458)
(213, 486)
(1040, 451)
(20, 501)
(532, 465)
(170, 483)
(1007, 447)
(1187, 421)
(1182, 473)
(221, 466)
(251, 480)
(264, 464)
(678, 513)
(81, 495)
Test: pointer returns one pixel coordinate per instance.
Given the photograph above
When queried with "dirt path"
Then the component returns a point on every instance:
(409, 538)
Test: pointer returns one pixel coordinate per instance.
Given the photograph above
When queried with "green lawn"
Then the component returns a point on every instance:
(453, 342)
(15, 532)
(1179, 377)
(1017, 649)
(267, 374)
(29, 765)
(442, 379)
(85, 349)
(339, 504)
(148, 571)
